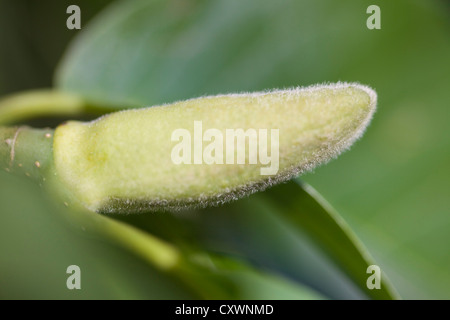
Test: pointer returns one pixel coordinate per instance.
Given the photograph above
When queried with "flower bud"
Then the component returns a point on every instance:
(208, 150)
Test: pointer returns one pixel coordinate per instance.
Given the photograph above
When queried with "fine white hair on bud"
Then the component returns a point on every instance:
(209, 150)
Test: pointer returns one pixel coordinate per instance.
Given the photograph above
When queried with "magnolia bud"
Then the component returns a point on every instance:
(208, 150)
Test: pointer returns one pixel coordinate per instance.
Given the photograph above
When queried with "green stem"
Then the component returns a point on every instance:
(26, 151)
(181, 265)
(41, 103)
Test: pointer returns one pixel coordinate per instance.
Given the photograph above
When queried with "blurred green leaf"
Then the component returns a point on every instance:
(152, 52)
(305, 209)
(250, 284)
(37, 244)
(206, 275)
(289, 224)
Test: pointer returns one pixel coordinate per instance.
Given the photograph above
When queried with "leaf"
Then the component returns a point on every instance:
(286, 229)
(305, 209)
(251, 284)
(143, 53)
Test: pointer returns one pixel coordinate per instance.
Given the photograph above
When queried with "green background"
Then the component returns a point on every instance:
(392, 187)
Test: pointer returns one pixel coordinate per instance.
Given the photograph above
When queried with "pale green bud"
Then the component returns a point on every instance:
(129, 162)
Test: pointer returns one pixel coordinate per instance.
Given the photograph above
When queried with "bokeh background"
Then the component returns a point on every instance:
(392, 187)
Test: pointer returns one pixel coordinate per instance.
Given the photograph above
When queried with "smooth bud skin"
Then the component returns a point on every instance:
(122, 162)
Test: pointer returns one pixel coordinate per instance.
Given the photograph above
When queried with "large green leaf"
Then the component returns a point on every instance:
(304, 208)
(288, 229)
(152, 52)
